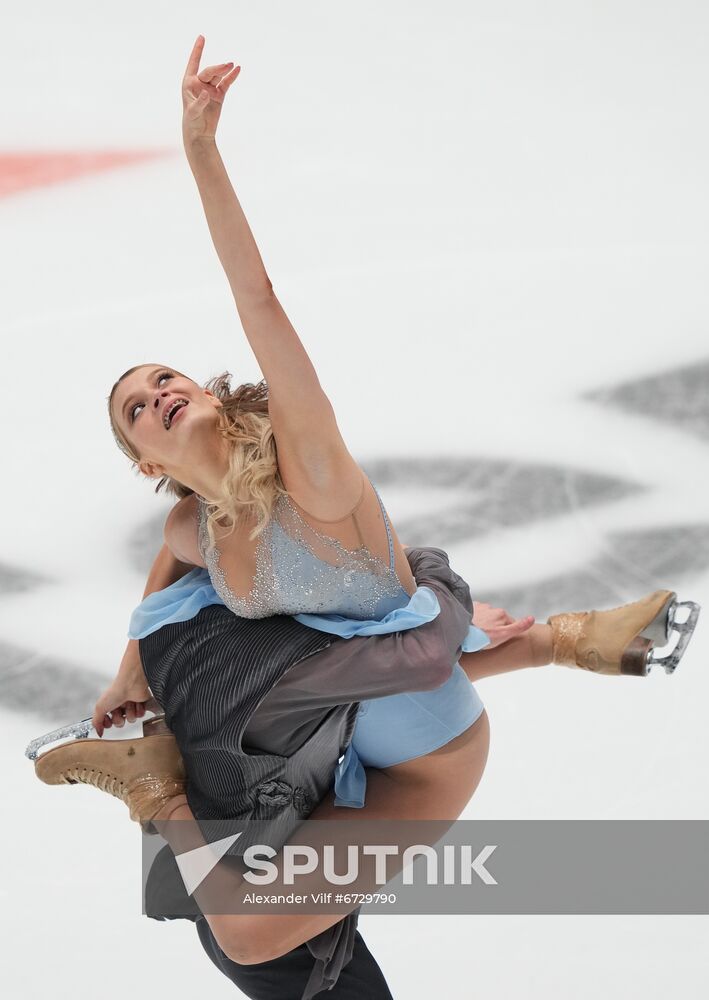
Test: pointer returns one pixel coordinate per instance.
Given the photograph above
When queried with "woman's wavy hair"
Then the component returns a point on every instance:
(253, 482)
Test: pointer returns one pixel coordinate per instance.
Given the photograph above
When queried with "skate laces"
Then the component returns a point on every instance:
(100, 779)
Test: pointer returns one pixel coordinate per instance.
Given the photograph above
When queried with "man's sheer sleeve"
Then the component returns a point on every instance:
(418, 659)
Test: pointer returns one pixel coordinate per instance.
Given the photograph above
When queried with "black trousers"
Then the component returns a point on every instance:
(284, 978)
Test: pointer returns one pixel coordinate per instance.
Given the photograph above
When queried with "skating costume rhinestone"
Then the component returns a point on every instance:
(301, 571)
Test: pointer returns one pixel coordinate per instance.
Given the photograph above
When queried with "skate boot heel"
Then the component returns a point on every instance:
(156, 726)
(635, 658)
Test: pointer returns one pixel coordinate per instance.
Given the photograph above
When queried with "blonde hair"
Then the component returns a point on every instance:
(253, 482)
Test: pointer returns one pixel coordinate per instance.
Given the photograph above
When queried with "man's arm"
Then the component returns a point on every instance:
(364, 667)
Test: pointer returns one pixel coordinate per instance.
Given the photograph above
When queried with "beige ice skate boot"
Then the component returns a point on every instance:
(145, 772)
(623, 640)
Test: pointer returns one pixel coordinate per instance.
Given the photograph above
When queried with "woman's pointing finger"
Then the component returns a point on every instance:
(195, 56)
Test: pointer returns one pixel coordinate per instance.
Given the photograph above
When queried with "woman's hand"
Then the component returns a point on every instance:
(203, 92)
(497, 624)
(127, 698)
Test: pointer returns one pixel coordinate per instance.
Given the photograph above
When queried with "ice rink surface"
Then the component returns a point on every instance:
(488, 223)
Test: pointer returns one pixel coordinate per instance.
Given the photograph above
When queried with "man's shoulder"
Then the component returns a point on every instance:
(431, 567)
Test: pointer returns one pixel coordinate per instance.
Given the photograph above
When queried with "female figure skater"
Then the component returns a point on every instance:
(279, 519)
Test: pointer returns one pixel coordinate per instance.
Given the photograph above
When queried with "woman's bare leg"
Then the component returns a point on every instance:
(532, 649)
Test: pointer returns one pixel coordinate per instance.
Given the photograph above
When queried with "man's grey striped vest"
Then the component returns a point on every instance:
(210, 674)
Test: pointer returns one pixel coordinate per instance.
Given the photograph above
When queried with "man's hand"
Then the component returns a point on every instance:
(497, 624)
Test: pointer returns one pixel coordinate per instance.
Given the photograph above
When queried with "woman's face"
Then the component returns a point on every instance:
(164, 434)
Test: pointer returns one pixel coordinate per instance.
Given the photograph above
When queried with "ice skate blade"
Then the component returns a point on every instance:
(684, 632)
(154, 726)
(80, 730)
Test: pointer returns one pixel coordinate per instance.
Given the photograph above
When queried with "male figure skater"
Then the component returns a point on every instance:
(217, 678)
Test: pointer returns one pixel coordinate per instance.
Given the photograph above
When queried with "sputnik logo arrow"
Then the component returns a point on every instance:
(197, 864)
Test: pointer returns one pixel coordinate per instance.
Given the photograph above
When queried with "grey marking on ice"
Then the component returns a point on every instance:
(634, 563)
(48, 687)
(502, 494)
(680, 397)
(15, 581)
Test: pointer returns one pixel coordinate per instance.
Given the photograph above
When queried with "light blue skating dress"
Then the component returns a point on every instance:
(301, 572)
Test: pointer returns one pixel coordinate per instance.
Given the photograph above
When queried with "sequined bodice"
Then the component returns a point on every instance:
(301, 571)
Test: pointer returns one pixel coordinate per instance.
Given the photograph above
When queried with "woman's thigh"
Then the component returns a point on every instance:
(440, 784)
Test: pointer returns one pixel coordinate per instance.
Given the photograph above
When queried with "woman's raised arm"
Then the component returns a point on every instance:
(303, 419)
